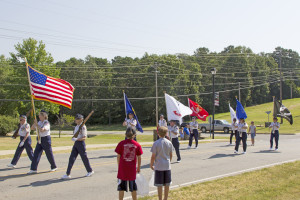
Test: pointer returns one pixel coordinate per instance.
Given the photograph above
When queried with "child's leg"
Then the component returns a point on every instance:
(166, 192)
(134, 196)
(121, 195)
(159, 191)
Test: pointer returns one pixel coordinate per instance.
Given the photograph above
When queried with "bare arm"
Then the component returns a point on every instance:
(152, 161)
(171, 155)
(139, 163)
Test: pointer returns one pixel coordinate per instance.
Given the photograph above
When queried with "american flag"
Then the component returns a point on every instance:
(51, 89)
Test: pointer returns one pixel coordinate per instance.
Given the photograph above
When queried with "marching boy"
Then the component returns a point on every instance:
(25, 142)
(161, 162)
(275, 133)
(79, 148)
(252, 130)
(129, 152)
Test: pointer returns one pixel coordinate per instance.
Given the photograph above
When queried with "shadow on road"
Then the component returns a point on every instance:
(3, 178)
(8, 169)
(111, 156)
(267, 151)
(221, 155)
(49, 182)
(145, 166)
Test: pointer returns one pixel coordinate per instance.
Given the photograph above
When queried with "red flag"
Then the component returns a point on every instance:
(198, 111)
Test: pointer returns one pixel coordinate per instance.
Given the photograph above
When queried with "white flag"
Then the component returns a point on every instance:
(175, 109)
(232, 114)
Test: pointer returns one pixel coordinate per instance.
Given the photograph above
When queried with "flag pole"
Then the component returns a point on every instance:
(189, 107)
(125, 104)
(32, 103)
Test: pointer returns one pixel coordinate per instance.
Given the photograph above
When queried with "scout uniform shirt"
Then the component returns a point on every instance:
(46, 125)
(173, 129)
(82, 133)
(162, 123)
(242, 128)
(194, 125)
(131, 121)
(24, 129)
(233, 126)
(273, 125)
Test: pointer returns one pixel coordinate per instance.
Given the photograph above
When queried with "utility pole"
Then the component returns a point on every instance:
(239, 91)
(280, 69)
(291, 85)
(213, 72)
(155, 66)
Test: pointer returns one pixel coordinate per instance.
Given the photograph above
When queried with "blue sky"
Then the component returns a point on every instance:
(130, 28)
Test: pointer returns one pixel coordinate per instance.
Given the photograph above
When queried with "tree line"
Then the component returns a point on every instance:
(99, 82)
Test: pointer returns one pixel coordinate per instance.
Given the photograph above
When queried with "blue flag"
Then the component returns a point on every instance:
(240, 112)
(129, 109)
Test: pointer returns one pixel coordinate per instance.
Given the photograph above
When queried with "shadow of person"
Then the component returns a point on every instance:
(3, 178)
(267, 151)
(49, 182)
(8, 169)
(221, 155)
(145, 166)
(110, 156)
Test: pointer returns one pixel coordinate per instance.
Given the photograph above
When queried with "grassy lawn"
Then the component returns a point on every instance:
(7, 143)
(258, 115)
(262, 184)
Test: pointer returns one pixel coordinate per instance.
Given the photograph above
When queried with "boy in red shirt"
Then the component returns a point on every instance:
(128, 150)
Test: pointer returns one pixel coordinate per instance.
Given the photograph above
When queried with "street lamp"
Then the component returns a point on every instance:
(213, 72)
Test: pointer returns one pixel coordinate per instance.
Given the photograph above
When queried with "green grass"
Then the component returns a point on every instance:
(261, 184)
(258, 115)
(113, 127)
(7, 143)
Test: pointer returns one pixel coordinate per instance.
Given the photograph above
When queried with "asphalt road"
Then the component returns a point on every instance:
(209, 160)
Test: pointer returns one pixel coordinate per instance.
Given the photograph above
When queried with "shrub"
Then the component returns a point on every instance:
(7, 124)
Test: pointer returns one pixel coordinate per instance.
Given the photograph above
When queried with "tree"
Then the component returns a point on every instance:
(37, 57)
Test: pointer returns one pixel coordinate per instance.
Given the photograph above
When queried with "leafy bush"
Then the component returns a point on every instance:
(7, 124)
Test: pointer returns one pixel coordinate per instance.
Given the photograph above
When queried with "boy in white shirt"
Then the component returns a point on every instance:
(274, 133)
(252, 130)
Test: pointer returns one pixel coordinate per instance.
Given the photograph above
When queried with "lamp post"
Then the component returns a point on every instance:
(213, 72)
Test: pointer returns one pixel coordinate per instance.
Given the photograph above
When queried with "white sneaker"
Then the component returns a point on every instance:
(32, 172)
(66, 176)
(178, 161)
(196, 147)
(11, 166)
(276, 149)
(271, 148)
(244, 152)
(90, 174)
(188, 147)
(53, 170)
(235, 151)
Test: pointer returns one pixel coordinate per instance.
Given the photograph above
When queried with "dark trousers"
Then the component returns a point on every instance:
(27, 146)
(195, 135)
(79, 148)
(275, 135)
(231, 135)
(238, 140)
(44, 146)
(175, 143)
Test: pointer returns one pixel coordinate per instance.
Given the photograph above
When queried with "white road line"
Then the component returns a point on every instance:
(222, 176)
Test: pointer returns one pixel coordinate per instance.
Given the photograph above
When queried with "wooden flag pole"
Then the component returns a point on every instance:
(32, 103)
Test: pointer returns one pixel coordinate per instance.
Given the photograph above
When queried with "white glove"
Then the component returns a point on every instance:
(74, 139)
(21, 144)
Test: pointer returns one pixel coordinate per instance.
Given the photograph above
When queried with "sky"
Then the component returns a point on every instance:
(130, 28)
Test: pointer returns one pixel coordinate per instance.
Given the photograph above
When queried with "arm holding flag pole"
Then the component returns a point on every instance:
(32, 103)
